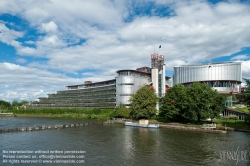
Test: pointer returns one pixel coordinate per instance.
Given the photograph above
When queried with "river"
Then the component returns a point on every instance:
(114, 144)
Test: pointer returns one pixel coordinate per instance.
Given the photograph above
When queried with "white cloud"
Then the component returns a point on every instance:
(195, 31)
(29, 83)
(240, 57)
(245, 66)
(49, 27)
(9, 36)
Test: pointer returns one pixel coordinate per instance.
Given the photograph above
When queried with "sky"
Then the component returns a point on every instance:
(46, 45)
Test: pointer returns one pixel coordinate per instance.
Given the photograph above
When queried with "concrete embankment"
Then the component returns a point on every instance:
(176, 127)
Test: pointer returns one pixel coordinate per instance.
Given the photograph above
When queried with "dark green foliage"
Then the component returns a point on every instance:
(117, 108)
(244, 97)
(121, 111)
(124, 112)
(174, 103)
(62, 111)
(16, 105)
(248, 85)
(4, 104)
(195, 102)
(96, 110)
(143, 103)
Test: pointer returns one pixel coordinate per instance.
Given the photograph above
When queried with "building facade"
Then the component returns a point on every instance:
(110, 93)
(224, 77)
(87, 95)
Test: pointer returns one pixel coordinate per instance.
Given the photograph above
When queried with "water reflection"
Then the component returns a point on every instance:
(119, 145)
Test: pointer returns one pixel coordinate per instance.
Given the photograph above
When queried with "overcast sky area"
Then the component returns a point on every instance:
(46, 45)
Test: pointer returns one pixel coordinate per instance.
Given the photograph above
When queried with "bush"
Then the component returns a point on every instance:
(123, 113)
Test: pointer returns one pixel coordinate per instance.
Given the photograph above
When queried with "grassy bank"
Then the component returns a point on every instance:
(243, 109)
(221, 124)
(95, 113)
(236, 124)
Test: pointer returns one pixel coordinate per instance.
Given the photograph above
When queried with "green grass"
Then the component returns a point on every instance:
(237, 124)
(244, 109)
(94, 113)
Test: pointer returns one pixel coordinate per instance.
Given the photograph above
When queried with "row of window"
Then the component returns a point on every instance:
(126, 84)
(132, 73)
(217, 83)
(125, 94)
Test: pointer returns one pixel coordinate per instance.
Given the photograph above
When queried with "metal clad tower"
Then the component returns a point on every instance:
(158, 75)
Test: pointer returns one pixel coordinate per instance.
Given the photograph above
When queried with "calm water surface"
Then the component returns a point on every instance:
(118, 145)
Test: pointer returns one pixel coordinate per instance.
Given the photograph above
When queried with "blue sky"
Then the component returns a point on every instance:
(46, 45)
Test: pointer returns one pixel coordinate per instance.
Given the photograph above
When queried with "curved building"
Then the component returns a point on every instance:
(224, 77)
(110, 93)
(128, 82)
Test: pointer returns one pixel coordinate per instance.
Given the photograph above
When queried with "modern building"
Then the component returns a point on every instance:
(87, 95)
(110, 93)
(224, 77)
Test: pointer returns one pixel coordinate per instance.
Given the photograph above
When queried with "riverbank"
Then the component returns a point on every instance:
(103, 117)
(178, 126)
(6, 114)
(191, 128)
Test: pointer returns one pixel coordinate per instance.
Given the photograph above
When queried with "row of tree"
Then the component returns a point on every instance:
(194, 102)
(180, 103)
(4, 105)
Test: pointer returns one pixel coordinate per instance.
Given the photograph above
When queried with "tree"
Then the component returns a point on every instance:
(4, 104)
(124, 112)
(121, 111)
(15, 103)
(200, 99)
(24, 102)
(143, 103)
(244, 97)
(217, 105)
(174, 103)
(195, 102)
(248, 85)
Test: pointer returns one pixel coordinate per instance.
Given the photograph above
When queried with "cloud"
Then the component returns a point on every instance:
(240, 57)
(9, 36)
(245, 66)
(49, 27)
(29, 83)
(78, 37)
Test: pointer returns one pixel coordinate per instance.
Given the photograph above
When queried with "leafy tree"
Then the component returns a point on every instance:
(117, 108)
(244, 97)
(15, 103)
(248, 85)
(124, 112)
(121, 111)
(217, 105)
(174, 103)
(24, 102)
(4, 104)
(200, 99)
(143, 103)
(192, 103)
